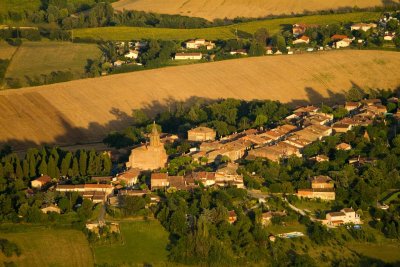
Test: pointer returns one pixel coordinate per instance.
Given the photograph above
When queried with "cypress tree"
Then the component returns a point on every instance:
(51, 167)
(82, 162)
(43, 167)
(66, 163)
(19, 173)
(75, 168)
(32, 167)
(25, 168)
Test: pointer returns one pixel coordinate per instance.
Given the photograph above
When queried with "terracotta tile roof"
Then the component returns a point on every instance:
(156, 176)
(44, 179)
(339, 37)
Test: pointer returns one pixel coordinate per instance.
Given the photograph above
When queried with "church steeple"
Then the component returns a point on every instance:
(154, 136)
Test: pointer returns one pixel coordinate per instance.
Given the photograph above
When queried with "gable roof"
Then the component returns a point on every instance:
(43, 179)
(159, 176)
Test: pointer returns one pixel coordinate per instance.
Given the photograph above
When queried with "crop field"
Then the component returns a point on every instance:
(85, 110)
(225, 32)
(238, 8)
(18, 5)
(145, 243)
(42, 246)
(36, 58)
(6, 50)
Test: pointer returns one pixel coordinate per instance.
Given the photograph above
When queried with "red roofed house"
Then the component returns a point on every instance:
(232, 217)
(344, 216)
(129, 177)
(159, 180)
(343, 146)
(302, 40)
(38, 183)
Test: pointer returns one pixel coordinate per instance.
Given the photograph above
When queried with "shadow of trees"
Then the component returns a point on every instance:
(95, 132)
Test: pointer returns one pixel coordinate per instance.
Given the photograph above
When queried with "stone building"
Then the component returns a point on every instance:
(149, 156)
(201, 134)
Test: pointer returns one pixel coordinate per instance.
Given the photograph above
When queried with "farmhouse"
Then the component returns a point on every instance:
(351, 106)
(51, 208)
(201, 134)
(343, 146)
(206, 178)
(199, 43)
(159, 180)
(324, 194)
(132, 54)
(344, 216)
(341, 40)
(340, 127)
(38, 183)
(298, 29)
(322, 181)
(389, 36)
(302, 40)
(130, 177)
(227, 175)
(106, 188)
(242, 52)
(274, 152)
(186, 56)
(149, 157)
(363, 26)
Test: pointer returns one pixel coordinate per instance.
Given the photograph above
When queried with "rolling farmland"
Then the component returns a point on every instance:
(49, 247)
(86, 110)
(214, 33)
(36, 58)
(236, 8)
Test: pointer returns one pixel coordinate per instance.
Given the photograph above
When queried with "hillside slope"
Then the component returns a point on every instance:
(85, 110)
(238, 8)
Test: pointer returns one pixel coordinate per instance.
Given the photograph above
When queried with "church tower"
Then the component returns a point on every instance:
(154, 136)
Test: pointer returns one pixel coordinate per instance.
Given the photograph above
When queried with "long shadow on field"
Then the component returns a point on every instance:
(95, 132)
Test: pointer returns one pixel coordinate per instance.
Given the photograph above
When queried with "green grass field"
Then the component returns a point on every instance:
(36, 58)
(226, 32)
(18, 5)
(42, 246)
(144, 242)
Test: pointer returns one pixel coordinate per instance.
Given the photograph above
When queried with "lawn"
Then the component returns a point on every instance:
(387, 252)
(313, 205)
(226, 32)
(36, 58)
(289, 227)
(42, 246)
(144, 242)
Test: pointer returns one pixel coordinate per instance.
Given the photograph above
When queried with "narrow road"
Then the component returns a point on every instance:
(102, 213)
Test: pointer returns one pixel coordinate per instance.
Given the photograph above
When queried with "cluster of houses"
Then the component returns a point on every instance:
(301, 128)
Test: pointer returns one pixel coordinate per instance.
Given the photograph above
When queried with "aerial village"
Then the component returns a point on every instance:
(303, 38)
(300, 129)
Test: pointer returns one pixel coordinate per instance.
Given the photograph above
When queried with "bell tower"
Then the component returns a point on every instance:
(154, 136)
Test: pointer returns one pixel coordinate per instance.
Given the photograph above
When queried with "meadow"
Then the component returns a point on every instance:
(84, 111)
(244, 30)
(145, 242)
(36, 58)
(43, 246)
(6, 50)
(238, 8)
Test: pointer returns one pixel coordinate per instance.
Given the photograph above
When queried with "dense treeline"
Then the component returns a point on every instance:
(16, 174)
(53, 162)
(225, 116)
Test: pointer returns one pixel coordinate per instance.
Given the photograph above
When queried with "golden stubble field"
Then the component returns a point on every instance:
(86, 110)
(238, 8)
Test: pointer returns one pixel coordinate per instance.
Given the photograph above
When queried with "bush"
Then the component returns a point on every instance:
(9, 248)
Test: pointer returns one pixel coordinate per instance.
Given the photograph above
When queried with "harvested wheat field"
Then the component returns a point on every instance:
(85, 110)
(239, 8)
